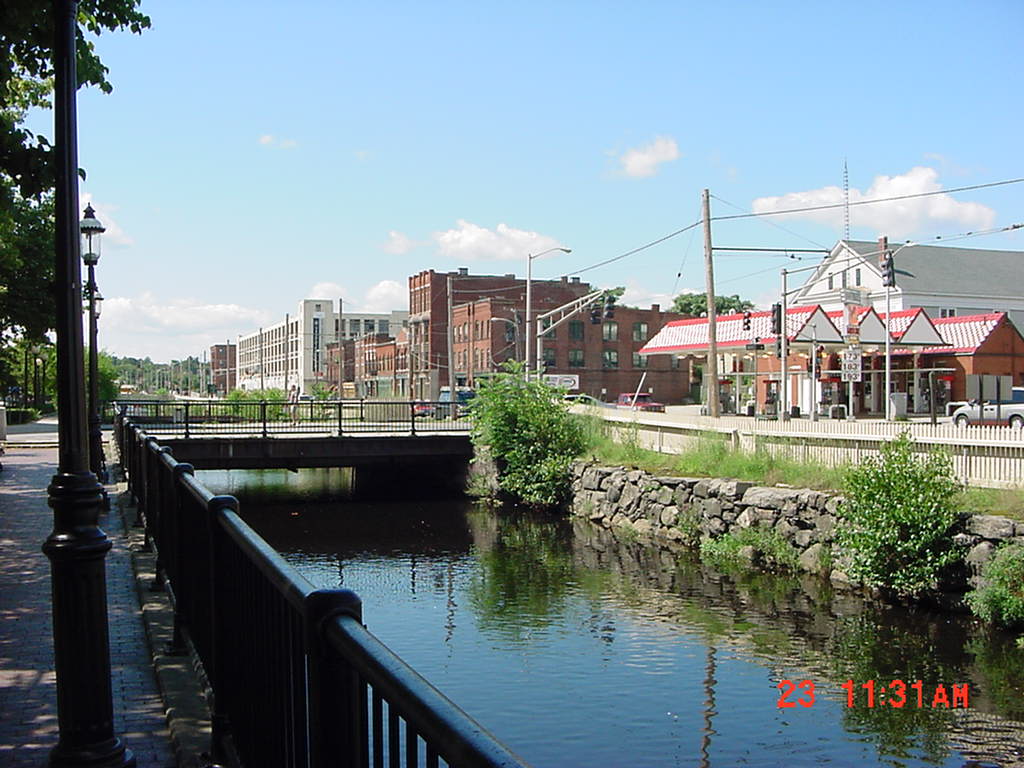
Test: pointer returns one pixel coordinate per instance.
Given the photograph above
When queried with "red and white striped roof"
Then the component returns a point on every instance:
(967, 333)
(682, 336)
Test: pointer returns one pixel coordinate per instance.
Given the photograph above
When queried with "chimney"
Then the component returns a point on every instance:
(463, 271)
(575, 281)
(564, 279)
(655, 308)
(511, 275)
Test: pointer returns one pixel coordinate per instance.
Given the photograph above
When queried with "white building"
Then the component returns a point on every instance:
(944, 281)
(294, 351)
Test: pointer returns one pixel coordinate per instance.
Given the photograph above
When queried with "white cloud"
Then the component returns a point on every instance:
(640, 162)
(637, 295)
(269, 140)
(471, 242)
(386, 296)
(326, 291)
(398, 243)
(145, 326)
(896, 219)
(114, 234)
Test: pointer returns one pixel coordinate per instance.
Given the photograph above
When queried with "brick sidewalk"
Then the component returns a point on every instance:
(28, 709)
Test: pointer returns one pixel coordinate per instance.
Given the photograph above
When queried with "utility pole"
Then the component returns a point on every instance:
(883, 247)
(784, 397)
(450, 339)
(341, 347)
(709, 274)
(261, 361)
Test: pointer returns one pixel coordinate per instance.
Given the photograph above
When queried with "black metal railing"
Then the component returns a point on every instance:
(297, 679)
(199, 418)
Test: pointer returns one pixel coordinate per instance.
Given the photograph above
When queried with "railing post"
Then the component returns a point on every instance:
(186, 420)
(341, 416)
(412, 418)
(216, 670)
(263, 416)
(337, 722)
(160, 523)
(362, 413)
(173, 556)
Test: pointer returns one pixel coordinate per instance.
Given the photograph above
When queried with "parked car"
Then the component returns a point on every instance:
(453, 407)
(422, 408)
(644, 402)
(1016, 396)
(1005, 412)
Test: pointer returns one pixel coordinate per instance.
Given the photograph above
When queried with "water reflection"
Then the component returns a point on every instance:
(580, 647)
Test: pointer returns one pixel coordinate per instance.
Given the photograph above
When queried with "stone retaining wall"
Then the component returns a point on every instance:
(686, 509)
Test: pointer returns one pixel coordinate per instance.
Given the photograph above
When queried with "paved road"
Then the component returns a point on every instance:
(28, 711)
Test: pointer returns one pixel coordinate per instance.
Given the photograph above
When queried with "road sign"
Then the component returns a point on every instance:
(851, 364)
(755, 347)
(563, 381)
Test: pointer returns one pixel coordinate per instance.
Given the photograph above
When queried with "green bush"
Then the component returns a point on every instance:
(899, 517)
(530, 434)
(1000, 598)
(769, 544)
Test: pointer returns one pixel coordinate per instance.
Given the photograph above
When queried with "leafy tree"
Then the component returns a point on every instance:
(26, 158)
(696, 304)
(530, 434)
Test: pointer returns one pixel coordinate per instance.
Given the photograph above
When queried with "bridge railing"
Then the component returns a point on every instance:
(297, 679)
(264, 418)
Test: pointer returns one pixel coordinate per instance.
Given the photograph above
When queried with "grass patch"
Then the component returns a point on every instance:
(709, 458)
(773, 550)
(1008, 502)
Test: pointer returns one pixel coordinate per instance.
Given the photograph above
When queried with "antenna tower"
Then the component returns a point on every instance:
(846, 200)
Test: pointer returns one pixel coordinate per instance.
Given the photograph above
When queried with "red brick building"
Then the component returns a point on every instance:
(224, 367)
(428, 315)
(341, 367)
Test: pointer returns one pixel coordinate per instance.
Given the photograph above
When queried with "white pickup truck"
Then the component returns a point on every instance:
(990, 412)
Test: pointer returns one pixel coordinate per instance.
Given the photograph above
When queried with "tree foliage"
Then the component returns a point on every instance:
(900, 517)
(26, 158)
(696, 304)
(1000, 598)
(530, 434)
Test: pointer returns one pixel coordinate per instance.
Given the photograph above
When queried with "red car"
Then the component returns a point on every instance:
(643, 402)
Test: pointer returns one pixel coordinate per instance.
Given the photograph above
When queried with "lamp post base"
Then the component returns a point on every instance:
(77, 548)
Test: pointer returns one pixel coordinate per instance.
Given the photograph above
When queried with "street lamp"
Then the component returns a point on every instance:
(91, 230)
(76, 547)
(529, 305)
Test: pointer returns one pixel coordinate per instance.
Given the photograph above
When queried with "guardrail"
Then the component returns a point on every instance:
(203, 418)
(991, 456)
(297, 679)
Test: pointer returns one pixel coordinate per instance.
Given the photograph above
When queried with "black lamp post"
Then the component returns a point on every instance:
(91, 228)
(37, 361)
(76, 547)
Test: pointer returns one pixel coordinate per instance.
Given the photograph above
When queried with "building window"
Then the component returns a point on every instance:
(639, 361)
(610, 332)
(675, 362)
(947, 312)
(549, 357)
(576, 330)
(576, 358)
(844, 278)
(831, 282)
(856, 276)
(610, 358)
(639, 331)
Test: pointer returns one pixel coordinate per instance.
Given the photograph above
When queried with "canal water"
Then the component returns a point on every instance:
(576, 647)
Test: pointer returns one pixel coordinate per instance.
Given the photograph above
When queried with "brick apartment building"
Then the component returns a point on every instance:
(603, 356)
(341, 366)
(223, 368)
(428, 315)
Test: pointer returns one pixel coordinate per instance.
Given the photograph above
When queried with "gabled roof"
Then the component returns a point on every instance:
(942, 269)
(691, 336)
(912, 326)
(965, 334)
(870, 326)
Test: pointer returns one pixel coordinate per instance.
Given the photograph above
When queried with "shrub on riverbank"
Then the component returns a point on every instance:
(764, 543)
(1000, 598)
(530, 435)
(900, 517)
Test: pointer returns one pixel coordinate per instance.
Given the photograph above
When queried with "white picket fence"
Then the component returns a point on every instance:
(990, 456)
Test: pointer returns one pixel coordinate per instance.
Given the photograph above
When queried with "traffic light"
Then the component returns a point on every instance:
(888, 270)
(609, 306)
(746, 321)
(595, 316)
(776, 319)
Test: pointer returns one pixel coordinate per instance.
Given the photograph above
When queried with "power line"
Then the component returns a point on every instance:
(867, 202)
(635, 250)
(771, 223)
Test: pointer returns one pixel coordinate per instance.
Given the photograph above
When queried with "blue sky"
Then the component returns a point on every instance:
(255, 154)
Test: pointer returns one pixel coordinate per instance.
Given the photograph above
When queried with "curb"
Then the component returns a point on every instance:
(185, 703)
